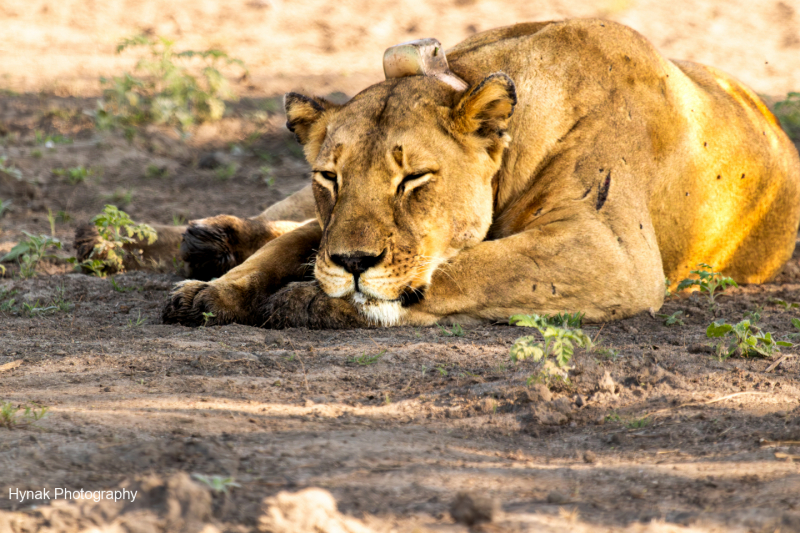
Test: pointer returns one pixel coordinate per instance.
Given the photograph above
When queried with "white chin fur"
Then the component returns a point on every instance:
(381, 312)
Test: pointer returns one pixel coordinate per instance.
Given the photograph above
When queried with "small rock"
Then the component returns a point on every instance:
(606, 383)
(579, 401)
(274, 337)
(107, 389)
(471, 509)
(589, 456)
(630, 330)
(701, 348)
(563, 405)
(540, 393)
(637, 493)
(556, 497)
(211, 160)
(548, 416)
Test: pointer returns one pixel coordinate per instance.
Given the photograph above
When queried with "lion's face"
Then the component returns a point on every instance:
(402, 178)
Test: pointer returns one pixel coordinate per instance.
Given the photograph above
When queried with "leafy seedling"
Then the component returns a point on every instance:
(558, 343)
(667, 292)
(783, 303)
(116, 230)
(136, 322)
(155, 171)
(673, 319)
(744, 339)
(30, 251)
(708, 282)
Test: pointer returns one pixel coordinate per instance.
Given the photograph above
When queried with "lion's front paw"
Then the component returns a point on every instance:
(208, 246)
(304, 304)
(194, 303)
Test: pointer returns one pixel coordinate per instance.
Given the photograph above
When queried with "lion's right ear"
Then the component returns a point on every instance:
(303, 116)
(486, 108)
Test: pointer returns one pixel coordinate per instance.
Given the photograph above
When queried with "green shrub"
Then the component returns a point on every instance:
(116, 229)
(163, 89)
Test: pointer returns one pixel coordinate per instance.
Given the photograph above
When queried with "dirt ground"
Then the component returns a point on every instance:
(652, 432)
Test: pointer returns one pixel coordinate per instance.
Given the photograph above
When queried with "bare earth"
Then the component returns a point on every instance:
(394, 423)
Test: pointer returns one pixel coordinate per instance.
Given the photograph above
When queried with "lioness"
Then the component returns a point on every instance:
(577, 171)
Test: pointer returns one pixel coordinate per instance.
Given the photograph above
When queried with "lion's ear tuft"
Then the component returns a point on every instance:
(486, 108)
(302, 113)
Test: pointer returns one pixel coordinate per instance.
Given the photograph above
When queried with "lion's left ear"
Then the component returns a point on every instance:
(303, 118)
(486, 108)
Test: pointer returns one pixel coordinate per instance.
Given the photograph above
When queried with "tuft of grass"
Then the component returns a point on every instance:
(788, 112)
(226, 172)
(9, 169)
(178, 220)
(5, 206)
(36, 153)
(12, 417)
(119, 288)
(455, 331)
(136, 322)
(154, 171)
(121, 197)
(366, 359)
(49, 141)
(783, 303)
(218, 484)
(639, 423)
(74, 175)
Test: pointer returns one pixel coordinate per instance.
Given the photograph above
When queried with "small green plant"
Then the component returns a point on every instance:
(744, 339)
(608, 353)
(30, 251)
(226, 172)
(639, 423)
(116, 229)
(136, 322)
(12, 417)
(5, 206)
(754, 316)
(74, 175)
(63, 217)
(119, 288)
(366, 359)
(673, 319)
(455, 331)
(788, 112)
(207, 315)
(9, 169)
(667, 292)
(121, 197)
(7, 301)
(708, 281)
(559, 343)
(613, 417)
(783, 303)
(218, 484)
(795, 324)
(163, 89)
(49, 141)
(155, 171)
(569, 320)
(36, 153)
(178, 220)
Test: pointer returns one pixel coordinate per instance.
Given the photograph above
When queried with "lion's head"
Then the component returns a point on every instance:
(402, 179)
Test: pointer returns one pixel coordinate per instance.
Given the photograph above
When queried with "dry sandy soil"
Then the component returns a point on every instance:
(651, 434)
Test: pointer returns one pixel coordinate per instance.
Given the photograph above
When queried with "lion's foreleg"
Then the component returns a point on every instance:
(577, 266)
(238, 295)
(212, 246)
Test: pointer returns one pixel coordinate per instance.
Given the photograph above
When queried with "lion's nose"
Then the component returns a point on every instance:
(357, 263)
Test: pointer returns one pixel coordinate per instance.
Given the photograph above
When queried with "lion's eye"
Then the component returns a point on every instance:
(411, 177)
(330, 176)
